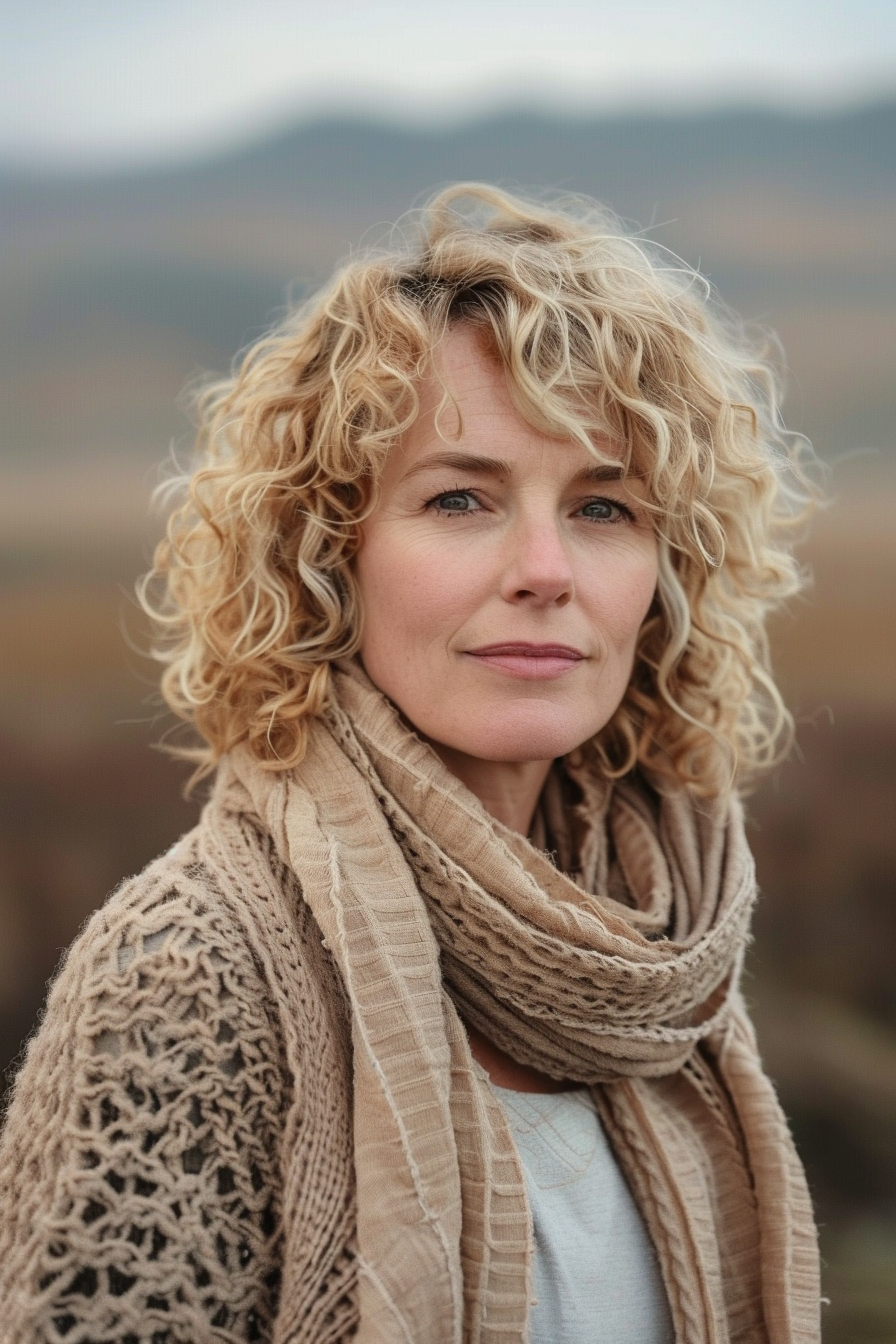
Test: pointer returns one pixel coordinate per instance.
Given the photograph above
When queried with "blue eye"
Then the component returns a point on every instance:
(607, 511)
(456, 501)
(602, 510)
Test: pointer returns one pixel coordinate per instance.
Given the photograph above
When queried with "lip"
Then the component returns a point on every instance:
(532, 662)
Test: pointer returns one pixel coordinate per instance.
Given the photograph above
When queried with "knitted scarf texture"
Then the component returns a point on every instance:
(611, 960)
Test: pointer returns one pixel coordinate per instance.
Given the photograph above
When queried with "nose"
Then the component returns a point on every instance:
(538, 570)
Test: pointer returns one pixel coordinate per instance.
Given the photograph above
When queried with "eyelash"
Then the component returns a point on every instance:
(467, 490)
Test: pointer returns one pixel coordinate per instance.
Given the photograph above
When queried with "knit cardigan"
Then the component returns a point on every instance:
(186, 1096)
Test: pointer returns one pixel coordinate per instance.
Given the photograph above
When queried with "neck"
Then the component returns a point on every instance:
(508, 790)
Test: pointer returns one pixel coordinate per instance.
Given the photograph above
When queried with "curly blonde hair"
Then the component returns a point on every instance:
(253, 591)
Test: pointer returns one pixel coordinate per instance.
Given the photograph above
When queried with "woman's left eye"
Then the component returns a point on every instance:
(605, 510)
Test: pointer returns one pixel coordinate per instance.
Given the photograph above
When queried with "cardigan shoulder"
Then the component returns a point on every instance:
(140, 1184)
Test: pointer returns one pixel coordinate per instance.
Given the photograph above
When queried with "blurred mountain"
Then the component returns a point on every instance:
(116, 287)
(349, 165)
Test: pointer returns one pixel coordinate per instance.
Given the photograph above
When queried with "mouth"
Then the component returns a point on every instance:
(533, 662)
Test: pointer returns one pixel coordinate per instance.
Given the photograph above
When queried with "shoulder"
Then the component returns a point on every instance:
(161, 988)
(176, 903)
(182, 921)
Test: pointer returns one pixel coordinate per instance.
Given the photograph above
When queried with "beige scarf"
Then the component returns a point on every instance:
(625, 978)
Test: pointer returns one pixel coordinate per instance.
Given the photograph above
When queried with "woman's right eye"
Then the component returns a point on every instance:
(455, 501)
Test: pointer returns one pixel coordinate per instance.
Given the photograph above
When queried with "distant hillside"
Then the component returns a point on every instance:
(336, 164)
(115, 288)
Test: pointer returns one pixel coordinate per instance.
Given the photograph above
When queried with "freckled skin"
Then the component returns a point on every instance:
(506, 541)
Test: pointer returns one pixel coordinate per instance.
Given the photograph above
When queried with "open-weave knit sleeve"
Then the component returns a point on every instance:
(138, 1166)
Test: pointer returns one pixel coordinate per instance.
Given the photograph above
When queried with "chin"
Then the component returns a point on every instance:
(538, 734)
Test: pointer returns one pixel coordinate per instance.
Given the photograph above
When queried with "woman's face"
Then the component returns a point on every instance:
(504, 575)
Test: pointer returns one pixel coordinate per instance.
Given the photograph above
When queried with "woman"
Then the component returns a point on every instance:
(466, 602)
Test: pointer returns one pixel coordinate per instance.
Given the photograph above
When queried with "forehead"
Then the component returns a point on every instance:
(469, 427)
(466, 397)
(463, 363)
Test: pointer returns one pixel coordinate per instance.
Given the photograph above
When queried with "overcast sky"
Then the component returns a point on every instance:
(112, 80)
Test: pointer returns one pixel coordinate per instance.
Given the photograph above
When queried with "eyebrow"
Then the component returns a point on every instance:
(496, 466)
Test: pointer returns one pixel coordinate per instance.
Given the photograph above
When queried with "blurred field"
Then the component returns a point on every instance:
(115, 291)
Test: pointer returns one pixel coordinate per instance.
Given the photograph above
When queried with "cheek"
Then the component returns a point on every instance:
(392, 623)
(415, 593)
(623, 600)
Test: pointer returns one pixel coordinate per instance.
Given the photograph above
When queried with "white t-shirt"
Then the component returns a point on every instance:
(596, 1275)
